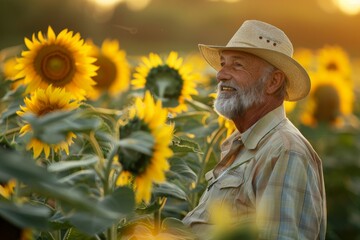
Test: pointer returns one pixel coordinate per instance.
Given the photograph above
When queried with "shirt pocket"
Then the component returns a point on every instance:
(232, 180)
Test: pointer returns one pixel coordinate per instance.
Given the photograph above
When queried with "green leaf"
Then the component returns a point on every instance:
(138, 141)
(75, 234)
(25, 215)
(89, 223)
(88, 175)
(199, 106)
(168, 189)
(54, 127)
(14, 165)
(185, 145)
(122, 200)
(181, 169)
(66, 165)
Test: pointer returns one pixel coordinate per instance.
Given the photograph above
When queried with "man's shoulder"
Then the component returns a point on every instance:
(285, 137)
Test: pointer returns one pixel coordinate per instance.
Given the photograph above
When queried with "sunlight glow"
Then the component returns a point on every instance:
(228, 1)
(134, 5)
(350, 7)
(106, 3)
(138, 4)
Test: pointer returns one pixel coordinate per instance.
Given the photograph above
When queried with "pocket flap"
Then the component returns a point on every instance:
(230, 180)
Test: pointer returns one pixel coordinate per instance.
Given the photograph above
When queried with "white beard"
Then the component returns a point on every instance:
(239, 102)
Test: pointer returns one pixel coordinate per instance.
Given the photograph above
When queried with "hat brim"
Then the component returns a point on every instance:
(298, 85)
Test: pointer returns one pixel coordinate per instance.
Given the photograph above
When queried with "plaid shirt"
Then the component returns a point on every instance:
(271, 178)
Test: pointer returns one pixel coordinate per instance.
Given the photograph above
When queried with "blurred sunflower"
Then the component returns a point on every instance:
(9, 68)
(145, 231)
(171, 82)
(330, 98)
(335, 60)
(305, 57)
(147, 116)
(228, 124)
(60, 60)
(10, 72)
(7, 188)
(201, 67)
(113, 75)
(289, 106)
(41, 103)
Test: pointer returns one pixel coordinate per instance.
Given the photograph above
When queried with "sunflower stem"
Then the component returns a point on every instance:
(100, 167)
(205, 160)
(157, 215)
(105, 111)
(111, 233)
(11, 131)
(162, 86)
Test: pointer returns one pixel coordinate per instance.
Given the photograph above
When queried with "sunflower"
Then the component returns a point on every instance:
(113, 74)
(41, 103)
(60, 60)
(305, 57)
(171, 82)
(200, 66)
(335, 60)
(9, 69)
(7, 189)
(10, 72)
(141, 169)
(330, 99)
(289, 106)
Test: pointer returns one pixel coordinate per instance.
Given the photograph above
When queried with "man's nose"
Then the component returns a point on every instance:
(223, 75)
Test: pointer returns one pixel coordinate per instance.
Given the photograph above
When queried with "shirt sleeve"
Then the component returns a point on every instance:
(288, 202)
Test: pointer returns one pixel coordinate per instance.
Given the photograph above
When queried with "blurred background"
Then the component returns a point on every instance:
(143, 26)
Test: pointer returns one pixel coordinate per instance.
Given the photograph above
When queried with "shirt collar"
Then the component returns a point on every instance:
(252, 136)
(263, 126)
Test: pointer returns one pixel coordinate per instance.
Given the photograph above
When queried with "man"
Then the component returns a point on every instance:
(269, 176)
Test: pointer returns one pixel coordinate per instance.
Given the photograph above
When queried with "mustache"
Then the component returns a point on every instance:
(229, 84)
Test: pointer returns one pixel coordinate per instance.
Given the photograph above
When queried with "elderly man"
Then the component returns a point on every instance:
(269, 176)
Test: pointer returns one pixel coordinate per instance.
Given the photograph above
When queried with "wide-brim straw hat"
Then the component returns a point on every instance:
(269, 43)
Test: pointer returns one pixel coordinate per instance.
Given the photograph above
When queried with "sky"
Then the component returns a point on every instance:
(164, 25)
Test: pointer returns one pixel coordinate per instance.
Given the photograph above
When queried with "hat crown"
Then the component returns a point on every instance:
(257, 34)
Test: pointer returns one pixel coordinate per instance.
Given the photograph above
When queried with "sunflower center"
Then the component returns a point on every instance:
(106, 73)
(55, 65)
(327, 104)
(45, 110)
(131, 160)
(165, 83)
(332, 66)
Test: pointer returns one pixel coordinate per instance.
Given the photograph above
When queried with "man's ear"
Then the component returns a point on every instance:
(275, 82)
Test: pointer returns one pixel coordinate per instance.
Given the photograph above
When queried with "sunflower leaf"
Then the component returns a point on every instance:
(138, 141)
(54, 127)
(39, 180)
(181, 170)
(121, 201)
(185, 145)
(168, 189)
(25, 215)
(66, 165)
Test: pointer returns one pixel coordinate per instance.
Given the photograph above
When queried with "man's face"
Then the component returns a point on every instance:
(241, 83)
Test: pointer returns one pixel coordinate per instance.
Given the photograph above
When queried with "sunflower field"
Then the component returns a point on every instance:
(96, 144)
